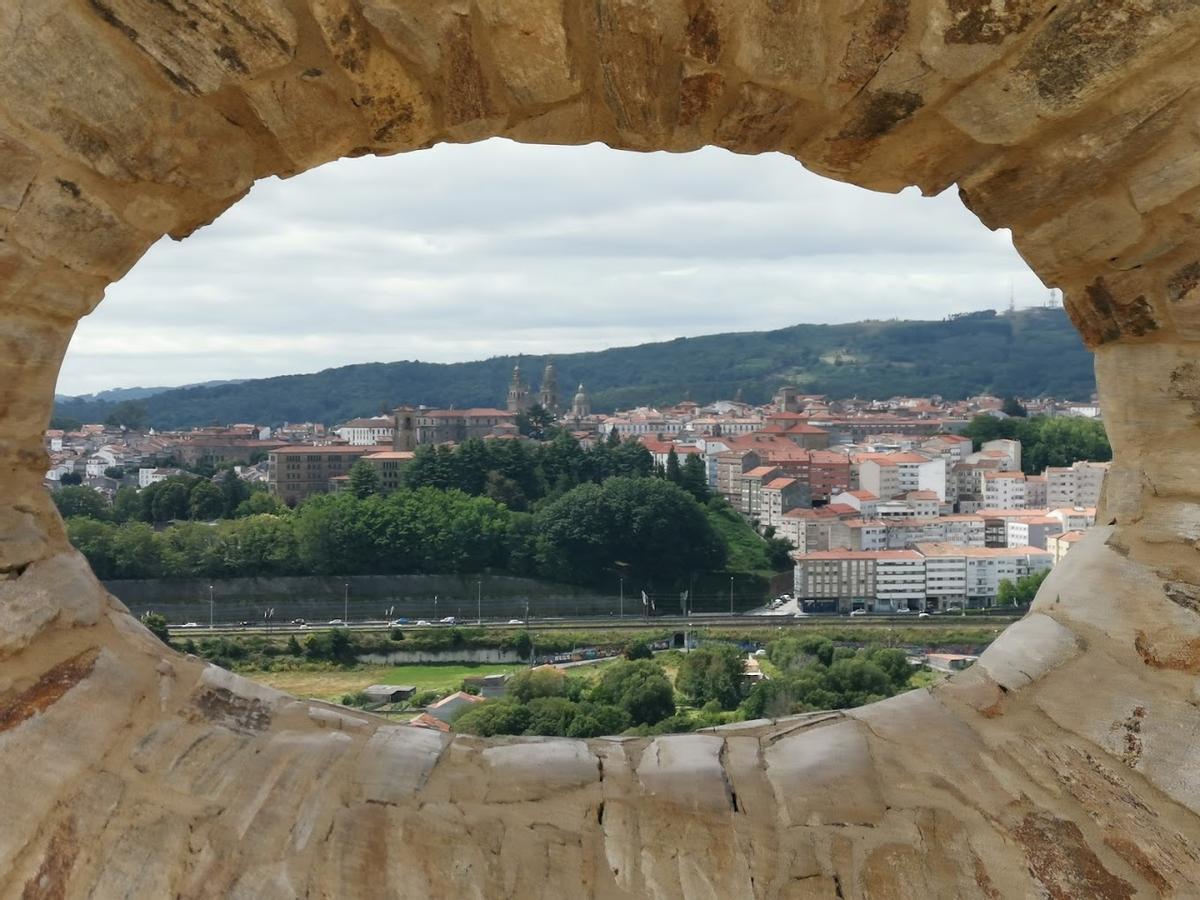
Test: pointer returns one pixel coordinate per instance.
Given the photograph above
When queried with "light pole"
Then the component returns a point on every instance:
(622, 606)
(435, 618)
(478, 601)
(346, 604)
(210, 607)
(731, 595)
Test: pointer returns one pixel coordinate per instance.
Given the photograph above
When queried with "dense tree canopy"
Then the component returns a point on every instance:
(1045, 441)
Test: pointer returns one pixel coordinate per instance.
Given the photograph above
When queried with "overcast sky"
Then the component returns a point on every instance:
(465, 252)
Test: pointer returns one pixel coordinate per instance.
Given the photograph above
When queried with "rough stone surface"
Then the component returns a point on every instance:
(1064, 765)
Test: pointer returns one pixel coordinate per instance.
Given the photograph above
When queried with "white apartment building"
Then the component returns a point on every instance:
(912, 472)
(864, 501)
(964, 529)
(1035, 491)
(368, 432)
(983, 568)
(900, 579)
(1002, 490)
(867, 534)
(1074, 518)
(147, 477)
(1031, 532)
(1009, 448)
(879, 476)
(1079, 484)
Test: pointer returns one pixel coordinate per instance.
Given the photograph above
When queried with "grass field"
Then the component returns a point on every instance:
(334, 683)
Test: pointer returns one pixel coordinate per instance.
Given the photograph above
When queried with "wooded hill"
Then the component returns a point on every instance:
(1027, 353)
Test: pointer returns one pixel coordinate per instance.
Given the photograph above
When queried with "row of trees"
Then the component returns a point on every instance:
(181, 497)
(815, 674)
(1045, 441)
(636, 695)
(647, 527)
(519, 475)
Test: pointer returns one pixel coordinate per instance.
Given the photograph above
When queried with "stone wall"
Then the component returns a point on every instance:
(1063, 765)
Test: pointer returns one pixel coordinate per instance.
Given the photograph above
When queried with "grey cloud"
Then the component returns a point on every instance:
(462, 252)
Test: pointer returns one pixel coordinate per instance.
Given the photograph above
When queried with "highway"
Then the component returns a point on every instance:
(997, 619)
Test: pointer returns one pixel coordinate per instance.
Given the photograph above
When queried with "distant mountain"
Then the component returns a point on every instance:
(1029, 353)
(116, 395)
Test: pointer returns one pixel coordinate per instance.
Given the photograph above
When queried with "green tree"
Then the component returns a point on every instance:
(130, 414)
(535, 423)
(94, 539)
(364, 480)
(651, 525)
(551, 716)
(71, 479)
(81, 501)
(523, 645)
(492, 718)
(712, 672)
(169, 500)
(1012, 407)
(533, 683)
(205, 501)
(694, 478)
(126, 505)
(672, 471)
(260, 503)
(114, 472)
(638, 650)
(157, 624)
(136, 552)
(504, 490)
(639, 687)
(234, 492)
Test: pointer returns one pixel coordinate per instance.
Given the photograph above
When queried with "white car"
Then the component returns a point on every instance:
(858, 612)
(421, 622)
(336, 622)
(903, 611)
(922, 615)
(190, 625)
(449, 620)
(515, 622)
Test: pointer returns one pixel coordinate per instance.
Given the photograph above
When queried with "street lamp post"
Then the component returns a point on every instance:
(210, 607)
(731, 595)
(478, 601)
(346, 604)
(622, 606)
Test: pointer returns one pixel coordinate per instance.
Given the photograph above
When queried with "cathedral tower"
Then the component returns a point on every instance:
(518, 392)
(581, 408)
(548, 396)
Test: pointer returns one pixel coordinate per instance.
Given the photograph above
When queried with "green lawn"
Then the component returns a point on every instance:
(443, 677)
(747, 551)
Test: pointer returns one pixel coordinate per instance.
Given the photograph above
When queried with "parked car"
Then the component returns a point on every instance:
(858, 612)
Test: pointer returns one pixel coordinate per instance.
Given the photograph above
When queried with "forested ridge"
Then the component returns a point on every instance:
(1028, 353)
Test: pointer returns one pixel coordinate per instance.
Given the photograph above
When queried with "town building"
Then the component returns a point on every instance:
(389, 467)
(368, 432)
(420, 426)
(297, 472)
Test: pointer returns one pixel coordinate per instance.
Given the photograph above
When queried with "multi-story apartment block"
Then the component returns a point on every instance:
(1031, 532)
(829, 474)
(855, 579)
(297, 472)
(1077, 518)
(1011, 451)
(731, 465)
(1060, 544)
(1002, 490)
(982, 569)
(1060, 486)
(1035, 491)
(779, 496)
(750, 501)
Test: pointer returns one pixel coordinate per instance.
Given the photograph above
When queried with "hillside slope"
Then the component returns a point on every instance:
(1028, 353)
